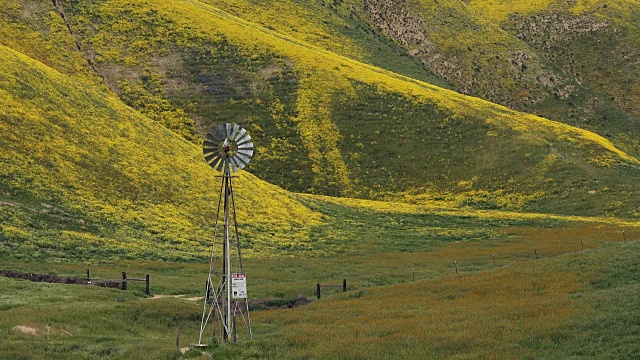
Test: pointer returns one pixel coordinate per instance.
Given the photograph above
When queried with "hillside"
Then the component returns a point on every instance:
(512, 68)
(595, 41)
(332, 125)
(471, 54)
(85, 176)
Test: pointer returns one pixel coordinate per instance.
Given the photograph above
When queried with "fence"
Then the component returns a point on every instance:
(319, 286)
(111, 283)
(122, 284)
(492, 260)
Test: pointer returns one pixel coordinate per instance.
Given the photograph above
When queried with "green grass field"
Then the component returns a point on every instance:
(525, 308)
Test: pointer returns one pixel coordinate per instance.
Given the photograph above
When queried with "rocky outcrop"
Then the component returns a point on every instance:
(512, 78)
(560, 25)
(396, 20)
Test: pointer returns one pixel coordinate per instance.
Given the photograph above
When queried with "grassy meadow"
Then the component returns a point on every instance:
(524, 308)
(404, 296)
(574, 305)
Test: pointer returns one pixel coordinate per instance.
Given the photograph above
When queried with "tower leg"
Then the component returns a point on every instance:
(227, 255)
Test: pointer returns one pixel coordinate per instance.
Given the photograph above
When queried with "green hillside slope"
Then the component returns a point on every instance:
(328, 124)
(595, 41)
(451, 40)
(581, 84)
(84, 176)
(334, 26)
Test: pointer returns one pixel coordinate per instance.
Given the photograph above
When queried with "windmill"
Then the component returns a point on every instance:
(228, 149)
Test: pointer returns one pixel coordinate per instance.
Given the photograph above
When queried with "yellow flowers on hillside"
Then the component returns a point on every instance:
(320, 135)
(86, 152)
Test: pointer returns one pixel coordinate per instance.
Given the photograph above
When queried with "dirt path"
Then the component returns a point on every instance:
(197, 298)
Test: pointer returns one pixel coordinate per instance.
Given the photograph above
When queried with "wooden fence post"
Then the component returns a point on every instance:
(535, 252)
(88, 276)
(344, 285)
(456, 263)
(318, 291)
(124, 280)
(177, 331)
(494, 260)
(624, 237)
(582, 243)
(147, 290)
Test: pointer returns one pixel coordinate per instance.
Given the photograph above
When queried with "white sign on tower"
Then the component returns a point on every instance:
(239, 286)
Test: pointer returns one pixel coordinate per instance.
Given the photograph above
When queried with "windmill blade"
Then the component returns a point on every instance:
(239, 135)
(209, 145)
(209, 151)
(246, 152)
(221, 164)
(218, 137)
(218, 132)
(216, 161)
(236, 127)
(239, 161)
(234, 166)
(206, 151)
(247, 146)
(221, 132)
(241, 165)
(227, 127)
(244, 159)
(244, 140)
(211, 136)
(212, 159)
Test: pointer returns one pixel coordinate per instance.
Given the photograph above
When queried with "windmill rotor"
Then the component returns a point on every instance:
(228, 148)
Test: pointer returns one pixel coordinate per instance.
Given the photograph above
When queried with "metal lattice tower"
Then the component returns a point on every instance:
(228, 149)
